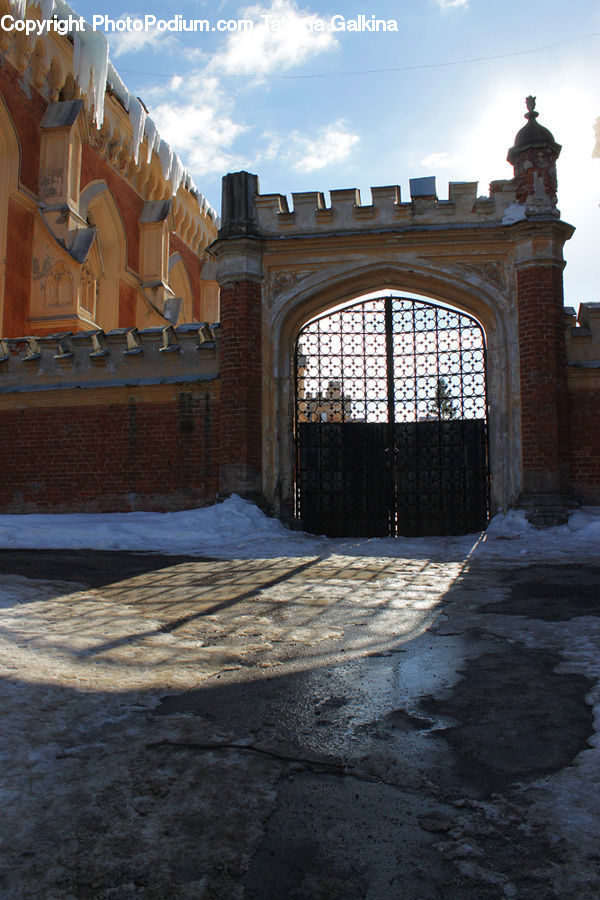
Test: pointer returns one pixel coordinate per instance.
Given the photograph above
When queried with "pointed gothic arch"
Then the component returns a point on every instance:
(484, 295)
(179, 282)
(101, 279)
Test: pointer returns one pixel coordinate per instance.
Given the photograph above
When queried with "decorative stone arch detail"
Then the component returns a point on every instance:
(311, 295)
(179, 282)
(58, 288)
(98, 205)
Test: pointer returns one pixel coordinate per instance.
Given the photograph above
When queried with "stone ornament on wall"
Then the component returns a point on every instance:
(492, 271)
(58, 291)
(282, 280)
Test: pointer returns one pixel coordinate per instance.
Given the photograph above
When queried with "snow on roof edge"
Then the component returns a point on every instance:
(94, 73)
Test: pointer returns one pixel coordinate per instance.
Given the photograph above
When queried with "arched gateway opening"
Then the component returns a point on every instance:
(390, 420)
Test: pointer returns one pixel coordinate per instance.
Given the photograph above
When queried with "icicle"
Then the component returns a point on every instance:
(90, 62)
(165, 154)
(19, 8)
(46, 8)
(151, 136)
(118, 86)
(176, 173)
(137, 117)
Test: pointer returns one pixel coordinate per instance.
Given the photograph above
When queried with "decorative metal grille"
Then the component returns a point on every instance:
(391, 421)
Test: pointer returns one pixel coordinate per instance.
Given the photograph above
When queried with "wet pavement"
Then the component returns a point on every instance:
(338, 727)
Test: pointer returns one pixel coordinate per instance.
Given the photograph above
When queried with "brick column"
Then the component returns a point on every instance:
(538, 260)
(543, 377)
(239, 272)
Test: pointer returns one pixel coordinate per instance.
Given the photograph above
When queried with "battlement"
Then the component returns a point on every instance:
(124, 356)
(583, 336)
(310, 214)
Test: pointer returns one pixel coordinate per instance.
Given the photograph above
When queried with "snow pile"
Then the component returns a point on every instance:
(512, 524)
(230, 528)
(237, 528)
(510, 535)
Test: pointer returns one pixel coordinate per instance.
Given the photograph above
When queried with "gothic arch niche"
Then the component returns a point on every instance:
(179, 283)
(58, 289)
(305, 299)
(9, 183)
(107, 261)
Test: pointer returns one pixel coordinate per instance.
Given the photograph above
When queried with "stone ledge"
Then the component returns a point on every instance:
(121, 356)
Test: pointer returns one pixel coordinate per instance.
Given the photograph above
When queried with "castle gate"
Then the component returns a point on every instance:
(390, 421)
(497, 259)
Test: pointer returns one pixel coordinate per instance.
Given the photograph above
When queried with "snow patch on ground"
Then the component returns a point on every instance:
(237, 528)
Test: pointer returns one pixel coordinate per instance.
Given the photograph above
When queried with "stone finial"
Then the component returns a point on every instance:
(533, 157)
(531, 111)
(533, 135)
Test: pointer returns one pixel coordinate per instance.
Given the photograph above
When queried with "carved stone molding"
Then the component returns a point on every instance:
(492, 271)
(283, 279)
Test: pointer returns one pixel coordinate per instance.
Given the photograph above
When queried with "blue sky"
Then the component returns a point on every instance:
(315, 110)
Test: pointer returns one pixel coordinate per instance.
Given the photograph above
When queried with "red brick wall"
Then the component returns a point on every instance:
(129, 203)
(146, 453)
(26, 108)
(19, 252)
(544, 412)
(240, 357)
(127, 305)
(584, 443)
(529, 163)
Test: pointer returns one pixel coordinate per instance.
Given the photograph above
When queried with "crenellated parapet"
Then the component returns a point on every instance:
(309, 212)
(583, 336)
(124, 356)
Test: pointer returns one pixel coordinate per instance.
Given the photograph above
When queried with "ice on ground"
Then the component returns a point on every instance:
(238, 528)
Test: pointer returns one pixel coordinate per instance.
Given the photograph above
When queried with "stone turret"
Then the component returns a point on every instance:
(534, 156)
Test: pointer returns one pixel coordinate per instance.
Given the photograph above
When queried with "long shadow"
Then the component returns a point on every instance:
(91, 568)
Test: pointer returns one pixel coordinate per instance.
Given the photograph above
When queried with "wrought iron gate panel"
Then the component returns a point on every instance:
(390, 422)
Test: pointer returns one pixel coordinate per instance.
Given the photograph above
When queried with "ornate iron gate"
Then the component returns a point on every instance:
(390, 424)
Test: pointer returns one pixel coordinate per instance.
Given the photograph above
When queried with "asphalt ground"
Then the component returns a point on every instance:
(337, 727)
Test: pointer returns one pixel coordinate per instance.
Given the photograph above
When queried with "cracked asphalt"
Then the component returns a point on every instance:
(318, 727)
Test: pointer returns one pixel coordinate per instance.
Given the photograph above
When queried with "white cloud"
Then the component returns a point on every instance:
(201, 130)
(332, 144)
(123, 42)
(195, 113)
(275, 44)
(136, 41)
(452, 4)
(442, 161)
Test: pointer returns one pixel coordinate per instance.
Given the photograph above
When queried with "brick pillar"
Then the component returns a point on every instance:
(238, 250)
(543, 376)
(240, 359)
(542, 350)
